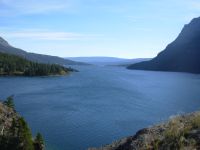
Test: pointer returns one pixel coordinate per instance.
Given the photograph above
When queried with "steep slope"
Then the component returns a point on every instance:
(179, 133)
(14, 131)
(5, 47)
(182, 55)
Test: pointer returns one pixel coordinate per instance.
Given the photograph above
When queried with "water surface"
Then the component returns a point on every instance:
(99, 104)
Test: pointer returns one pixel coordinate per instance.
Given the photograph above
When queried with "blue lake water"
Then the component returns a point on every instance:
(98, 105)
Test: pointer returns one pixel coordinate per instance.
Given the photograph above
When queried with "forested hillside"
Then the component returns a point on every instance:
(15, 65)
(5, 47)
(14, 131)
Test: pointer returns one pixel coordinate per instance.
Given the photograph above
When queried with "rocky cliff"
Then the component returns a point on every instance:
(14, 131)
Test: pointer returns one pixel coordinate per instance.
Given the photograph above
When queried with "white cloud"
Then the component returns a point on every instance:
(49, 35)
(16, 7)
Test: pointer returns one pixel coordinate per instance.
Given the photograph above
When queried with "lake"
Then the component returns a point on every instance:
(99, 105)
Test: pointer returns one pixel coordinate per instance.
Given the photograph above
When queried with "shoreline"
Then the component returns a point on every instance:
(179, 132)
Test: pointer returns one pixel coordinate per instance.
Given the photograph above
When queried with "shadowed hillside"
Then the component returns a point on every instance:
(182, 55)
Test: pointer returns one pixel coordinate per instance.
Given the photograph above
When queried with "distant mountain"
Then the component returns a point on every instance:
(182, 55)
(107, 61)
(133, 61)
(5, 47)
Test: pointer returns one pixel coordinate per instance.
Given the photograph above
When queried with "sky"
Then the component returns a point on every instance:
(73, 28)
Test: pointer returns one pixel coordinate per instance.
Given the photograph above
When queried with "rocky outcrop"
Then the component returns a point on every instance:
(14, 131)
(180, 132)
(7, 115)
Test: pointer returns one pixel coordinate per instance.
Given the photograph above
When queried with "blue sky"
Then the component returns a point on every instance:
(118, 28)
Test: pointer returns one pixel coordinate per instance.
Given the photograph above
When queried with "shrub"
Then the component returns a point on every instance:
(9, 102)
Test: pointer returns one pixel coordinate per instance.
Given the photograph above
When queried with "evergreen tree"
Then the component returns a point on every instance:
(9, 102)
(24, 135)
(39, 142)
(15, 65)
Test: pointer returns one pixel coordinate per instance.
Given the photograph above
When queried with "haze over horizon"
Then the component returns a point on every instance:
(74, 28)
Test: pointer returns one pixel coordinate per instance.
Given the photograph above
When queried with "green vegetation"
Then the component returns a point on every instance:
(15, 65)
(180, 133)
(19, 137)
(9, 102)
(39, 142)
(15, 133)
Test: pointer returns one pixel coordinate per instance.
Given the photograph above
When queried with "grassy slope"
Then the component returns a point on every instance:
(180, 133)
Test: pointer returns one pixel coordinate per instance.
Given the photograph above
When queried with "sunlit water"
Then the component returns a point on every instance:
(99, 104)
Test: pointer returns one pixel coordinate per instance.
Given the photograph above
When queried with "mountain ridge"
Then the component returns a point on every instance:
(182, 55)
(5, 47)
(107, 61)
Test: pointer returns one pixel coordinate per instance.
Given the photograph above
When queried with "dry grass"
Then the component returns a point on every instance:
(176, 133)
